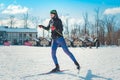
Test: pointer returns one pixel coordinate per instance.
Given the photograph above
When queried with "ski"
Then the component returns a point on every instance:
(46, 73)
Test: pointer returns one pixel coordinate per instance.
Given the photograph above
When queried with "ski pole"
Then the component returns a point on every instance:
(61, 34)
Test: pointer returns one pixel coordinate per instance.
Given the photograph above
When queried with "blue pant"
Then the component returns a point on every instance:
(60, 41)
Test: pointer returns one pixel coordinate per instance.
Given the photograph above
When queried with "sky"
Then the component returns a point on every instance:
(74, 8)
(71, 8)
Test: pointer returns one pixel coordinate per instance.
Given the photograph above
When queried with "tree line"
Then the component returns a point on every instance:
(105, 27)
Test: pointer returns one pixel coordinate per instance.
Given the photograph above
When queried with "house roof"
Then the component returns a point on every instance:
(17, 29)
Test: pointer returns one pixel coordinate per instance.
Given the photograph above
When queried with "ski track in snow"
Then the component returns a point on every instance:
(26, 63)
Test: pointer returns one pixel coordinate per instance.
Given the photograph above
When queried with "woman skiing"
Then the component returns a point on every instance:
(55, 24)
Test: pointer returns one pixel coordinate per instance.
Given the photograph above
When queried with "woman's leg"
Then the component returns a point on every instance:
(61, 41)
(54, 48)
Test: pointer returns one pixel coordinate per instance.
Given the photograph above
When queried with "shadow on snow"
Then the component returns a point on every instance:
(89, 75)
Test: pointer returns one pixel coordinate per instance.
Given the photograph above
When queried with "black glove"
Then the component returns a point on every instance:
(40, 26)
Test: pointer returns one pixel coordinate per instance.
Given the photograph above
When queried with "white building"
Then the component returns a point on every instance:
(17, 35)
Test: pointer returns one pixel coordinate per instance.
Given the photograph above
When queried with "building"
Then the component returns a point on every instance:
(77, 42)
(17, 35)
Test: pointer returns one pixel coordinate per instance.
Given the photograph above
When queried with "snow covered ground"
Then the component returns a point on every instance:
(26, 63)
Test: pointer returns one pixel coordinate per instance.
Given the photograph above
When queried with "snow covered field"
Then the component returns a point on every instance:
(26, 63)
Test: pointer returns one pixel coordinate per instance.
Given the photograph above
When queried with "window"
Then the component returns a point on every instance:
(24, 35)
(20, 35)
(30, 35)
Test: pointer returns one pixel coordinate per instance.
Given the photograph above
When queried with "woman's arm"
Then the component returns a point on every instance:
(46, 28)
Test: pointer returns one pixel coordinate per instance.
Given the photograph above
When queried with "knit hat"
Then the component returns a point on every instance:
(53, 12)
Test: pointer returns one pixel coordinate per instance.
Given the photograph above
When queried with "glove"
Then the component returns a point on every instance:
(40, 26)
(53, 28)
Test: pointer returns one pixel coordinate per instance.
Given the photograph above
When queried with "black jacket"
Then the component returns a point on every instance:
(57, 23)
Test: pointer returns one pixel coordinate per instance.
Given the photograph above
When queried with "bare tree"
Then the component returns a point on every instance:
(102, 31)
(110, 28)
(97, 11)
(35, 21)
(1, 23)
(85, 16)
(41, 21)
(76, 31)
(92, 29)
(79, 30)
(66, 27)
(73, 33)
(12, 21)
(25, 18)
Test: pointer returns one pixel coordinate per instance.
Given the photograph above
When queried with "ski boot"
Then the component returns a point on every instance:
(78, 66)
(56, 69)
